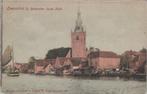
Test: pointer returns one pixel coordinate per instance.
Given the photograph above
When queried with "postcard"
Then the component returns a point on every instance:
(73, 46)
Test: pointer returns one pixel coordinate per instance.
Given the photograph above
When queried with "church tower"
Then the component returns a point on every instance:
(78, 39)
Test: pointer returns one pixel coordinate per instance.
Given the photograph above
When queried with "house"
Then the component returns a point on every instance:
(18, 66)
(141, 63)
(40, 66)
(104, 60)
(21, 67)
(24, 68)
(136, 60)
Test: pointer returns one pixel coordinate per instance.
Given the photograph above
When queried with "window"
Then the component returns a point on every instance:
(77, 38)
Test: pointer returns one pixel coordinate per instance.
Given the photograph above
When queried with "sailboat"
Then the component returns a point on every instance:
(12, 71)
(6, 56)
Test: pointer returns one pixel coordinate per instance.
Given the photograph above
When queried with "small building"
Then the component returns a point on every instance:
(41, 66)
(136, 61)
(18, 66)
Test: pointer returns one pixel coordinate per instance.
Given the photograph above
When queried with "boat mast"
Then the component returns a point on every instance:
(12, 58)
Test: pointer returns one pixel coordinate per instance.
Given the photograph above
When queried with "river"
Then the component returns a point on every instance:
(35, 84)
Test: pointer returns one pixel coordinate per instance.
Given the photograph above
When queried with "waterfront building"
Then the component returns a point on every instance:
(21, 67)
(39, 67)
(44, 66)
(18, 66)
(136, 61)
(104, 60)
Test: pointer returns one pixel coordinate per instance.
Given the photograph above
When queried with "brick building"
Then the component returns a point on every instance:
(78, 39)
(104, 60)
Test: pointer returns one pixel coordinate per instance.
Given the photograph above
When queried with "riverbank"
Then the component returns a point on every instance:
(47, 84)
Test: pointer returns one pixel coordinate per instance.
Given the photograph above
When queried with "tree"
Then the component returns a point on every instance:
(143, 50)
(124, 61)
(31, 62)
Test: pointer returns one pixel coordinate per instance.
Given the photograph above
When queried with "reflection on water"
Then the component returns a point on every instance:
(32, 84)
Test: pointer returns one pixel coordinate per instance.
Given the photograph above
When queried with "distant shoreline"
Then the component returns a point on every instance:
(88, 77)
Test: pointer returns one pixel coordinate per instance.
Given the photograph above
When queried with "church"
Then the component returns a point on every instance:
(78, 56)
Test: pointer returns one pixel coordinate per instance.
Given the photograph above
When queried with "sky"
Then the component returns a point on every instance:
(111, 25)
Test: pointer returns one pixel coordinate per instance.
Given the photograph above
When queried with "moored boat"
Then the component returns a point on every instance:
(67, 73)
(13, 74)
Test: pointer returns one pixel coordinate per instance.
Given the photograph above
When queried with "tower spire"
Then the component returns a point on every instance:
(78, 26)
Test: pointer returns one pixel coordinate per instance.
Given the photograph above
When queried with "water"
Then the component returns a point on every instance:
(32, 84)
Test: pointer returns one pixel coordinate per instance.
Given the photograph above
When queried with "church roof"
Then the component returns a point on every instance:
(78, 27)
(59, 52)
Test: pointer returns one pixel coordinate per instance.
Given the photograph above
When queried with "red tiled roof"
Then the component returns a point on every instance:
(108, 54)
